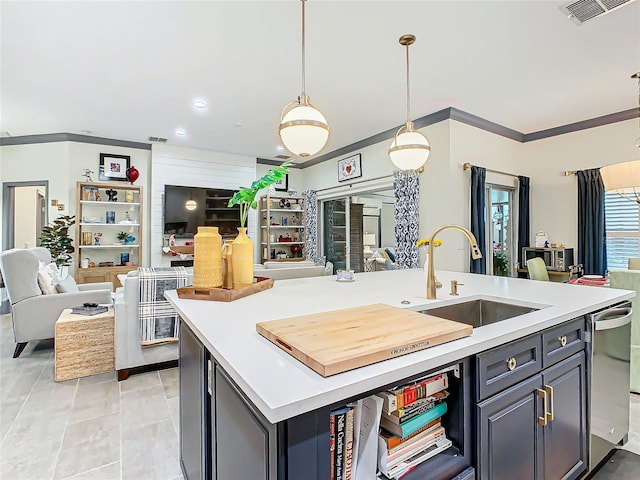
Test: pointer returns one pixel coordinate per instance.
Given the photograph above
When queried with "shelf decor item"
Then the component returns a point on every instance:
(207, 258)
(114, 167)
(132, 174)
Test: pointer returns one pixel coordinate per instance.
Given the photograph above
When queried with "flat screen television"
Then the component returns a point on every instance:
(187, 208)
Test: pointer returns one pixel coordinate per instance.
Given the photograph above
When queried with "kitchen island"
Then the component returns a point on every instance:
(289, 402)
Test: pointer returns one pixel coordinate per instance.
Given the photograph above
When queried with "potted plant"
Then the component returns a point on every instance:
(122, 236)
(246, 196)
(242, 247)
(55, 238)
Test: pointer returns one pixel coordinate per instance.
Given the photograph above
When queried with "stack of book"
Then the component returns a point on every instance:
(411, 430)
(341, 443)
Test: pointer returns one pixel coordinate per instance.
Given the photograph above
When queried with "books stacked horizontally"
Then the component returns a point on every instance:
(341, 443)
(411, 428)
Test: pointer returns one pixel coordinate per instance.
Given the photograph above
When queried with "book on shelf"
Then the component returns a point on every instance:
(407, 451)
(399, 469)
(385, 436)
(417, 408)
(341, 443)
(405, 395)
(411, 426)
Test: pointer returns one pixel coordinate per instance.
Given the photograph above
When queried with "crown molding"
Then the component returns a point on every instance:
(71, 137)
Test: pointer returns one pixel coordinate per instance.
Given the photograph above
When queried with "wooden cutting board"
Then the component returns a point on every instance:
(341, 340)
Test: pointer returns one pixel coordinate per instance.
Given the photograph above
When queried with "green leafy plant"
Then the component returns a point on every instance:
(55, 238)
(122, 236)
(246, 196)
(500, 264)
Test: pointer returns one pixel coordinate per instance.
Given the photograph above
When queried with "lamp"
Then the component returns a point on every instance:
(409, 150)
(368, 239)
(303, 128)
(624, 178)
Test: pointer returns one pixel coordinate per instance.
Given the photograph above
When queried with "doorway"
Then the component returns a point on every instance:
(501, 250)
(24, 213)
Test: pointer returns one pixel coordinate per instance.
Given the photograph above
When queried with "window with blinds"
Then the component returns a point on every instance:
(622, 224)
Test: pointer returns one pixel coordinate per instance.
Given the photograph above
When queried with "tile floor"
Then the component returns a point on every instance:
(90, 428)
(99, 428)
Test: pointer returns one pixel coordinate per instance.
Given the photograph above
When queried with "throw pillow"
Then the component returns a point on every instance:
(67, 285)
(391, 254)
(321, 261)
(48, 279)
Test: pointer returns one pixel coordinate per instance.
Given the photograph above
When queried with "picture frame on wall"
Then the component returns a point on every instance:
(282, 185)
(350, 168)
(114, 167)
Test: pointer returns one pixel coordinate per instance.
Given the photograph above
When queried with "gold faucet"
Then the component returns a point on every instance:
(431, 275)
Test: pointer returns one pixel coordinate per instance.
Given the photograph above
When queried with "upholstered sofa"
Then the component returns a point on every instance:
(129, 353)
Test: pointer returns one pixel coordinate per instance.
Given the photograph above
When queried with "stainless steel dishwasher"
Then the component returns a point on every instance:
(609, 361)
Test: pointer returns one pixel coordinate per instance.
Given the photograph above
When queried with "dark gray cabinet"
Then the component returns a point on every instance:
(193, 405)
(535, 428)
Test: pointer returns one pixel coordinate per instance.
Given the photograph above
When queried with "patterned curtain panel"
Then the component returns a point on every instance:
(406, 213)
(311, 224)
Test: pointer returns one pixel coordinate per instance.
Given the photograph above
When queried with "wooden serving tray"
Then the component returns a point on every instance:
(341, 340)
(225, 294)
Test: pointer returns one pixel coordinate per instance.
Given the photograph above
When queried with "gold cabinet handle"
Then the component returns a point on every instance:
(563, 340)
(543, 420)
(511, 363)
(549, 415)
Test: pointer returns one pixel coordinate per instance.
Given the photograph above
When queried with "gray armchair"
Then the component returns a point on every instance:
(33, 314)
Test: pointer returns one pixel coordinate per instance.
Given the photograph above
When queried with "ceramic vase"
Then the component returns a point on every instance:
(227, 264)
(207, 258)
(242, 259)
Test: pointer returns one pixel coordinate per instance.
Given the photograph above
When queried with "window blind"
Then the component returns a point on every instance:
(622, 224)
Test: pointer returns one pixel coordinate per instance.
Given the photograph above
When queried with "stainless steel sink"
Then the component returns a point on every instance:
(479, 312)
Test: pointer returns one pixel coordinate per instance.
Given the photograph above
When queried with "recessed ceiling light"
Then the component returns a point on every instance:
(200, 104)
(181, 132)
(280, 148)
(86, 132)
(237, 124)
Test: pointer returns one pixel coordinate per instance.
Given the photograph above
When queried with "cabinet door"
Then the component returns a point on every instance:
(508, 433)
(565, 437)
(93, 276)
(244, 442)
(193, 405)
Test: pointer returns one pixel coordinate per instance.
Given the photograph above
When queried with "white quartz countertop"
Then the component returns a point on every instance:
(281, 387)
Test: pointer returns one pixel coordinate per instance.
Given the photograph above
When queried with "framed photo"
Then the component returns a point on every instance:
(114, 167)
(282, 185)
(350, 168)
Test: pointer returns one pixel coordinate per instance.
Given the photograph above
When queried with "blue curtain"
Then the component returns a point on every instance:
(406, 188)
(478, 226)
(592, 251)
(311, 224)
(524, 231)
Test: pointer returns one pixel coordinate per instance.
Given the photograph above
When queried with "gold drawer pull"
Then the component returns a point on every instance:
(563, 340)
(549, 415)
(543, 420)
(511, 363)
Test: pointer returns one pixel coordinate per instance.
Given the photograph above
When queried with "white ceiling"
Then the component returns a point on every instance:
(130, 70)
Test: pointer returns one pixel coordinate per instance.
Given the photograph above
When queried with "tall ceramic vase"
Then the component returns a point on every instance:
(242, 259)
(207, 258)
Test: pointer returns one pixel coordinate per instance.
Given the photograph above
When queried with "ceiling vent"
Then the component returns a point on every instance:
(158, 139)
(283, 157)
(584, 10)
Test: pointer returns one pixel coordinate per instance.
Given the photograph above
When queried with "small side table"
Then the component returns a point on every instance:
(84, 345)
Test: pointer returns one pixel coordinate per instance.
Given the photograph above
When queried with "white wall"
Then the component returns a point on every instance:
(196, 168)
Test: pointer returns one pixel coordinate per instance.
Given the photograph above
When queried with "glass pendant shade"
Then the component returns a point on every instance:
(304, 130)
(409, 150)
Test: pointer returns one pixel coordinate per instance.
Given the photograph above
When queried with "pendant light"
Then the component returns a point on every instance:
(303, 128)
(409, 149)
(624, 178)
